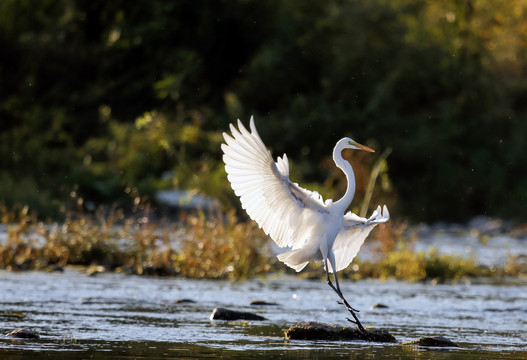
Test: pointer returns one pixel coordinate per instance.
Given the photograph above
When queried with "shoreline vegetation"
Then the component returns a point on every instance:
(105, 104)
(212, 247)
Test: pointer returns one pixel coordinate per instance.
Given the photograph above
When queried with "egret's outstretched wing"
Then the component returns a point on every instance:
(264, 188)
(354, 231)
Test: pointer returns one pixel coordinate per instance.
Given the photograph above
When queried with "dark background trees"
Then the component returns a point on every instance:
(100, 99)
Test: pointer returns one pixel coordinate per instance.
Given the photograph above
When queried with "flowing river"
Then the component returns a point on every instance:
(116, 316)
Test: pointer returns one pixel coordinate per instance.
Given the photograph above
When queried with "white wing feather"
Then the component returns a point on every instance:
(354, 231)
(266, 193)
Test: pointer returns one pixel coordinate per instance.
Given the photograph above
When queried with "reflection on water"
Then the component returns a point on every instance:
(114, 316)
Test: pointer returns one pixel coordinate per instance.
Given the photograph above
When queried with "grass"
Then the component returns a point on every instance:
(398, 259)
(196, 247)
(218, 247)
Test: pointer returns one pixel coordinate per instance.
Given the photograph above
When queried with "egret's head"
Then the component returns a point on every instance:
(348, 143)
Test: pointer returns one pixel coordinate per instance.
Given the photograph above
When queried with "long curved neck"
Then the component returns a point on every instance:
(345, 166)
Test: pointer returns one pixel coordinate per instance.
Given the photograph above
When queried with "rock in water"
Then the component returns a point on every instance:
(262, 303)
(184, 301)
(226, 314)
(312, 330)
(22, 334)
(379, 306)
(436, 341)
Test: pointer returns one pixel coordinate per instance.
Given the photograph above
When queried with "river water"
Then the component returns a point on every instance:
(116, 316)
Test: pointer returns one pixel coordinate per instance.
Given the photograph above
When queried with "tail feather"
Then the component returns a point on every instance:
(295, 259)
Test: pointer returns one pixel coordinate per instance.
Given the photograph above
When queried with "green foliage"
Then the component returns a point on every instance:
(102, 98)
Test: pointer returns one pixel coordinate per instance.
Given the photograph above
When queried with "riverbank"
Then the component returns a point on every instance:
(224, 248)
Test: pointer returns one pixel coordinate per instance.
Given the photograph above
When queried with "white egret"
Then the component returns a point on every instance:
(295, 217)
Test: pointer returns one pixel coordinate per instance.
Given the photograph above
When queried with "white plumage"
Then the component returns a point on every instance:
(292, 216)
(289, 214)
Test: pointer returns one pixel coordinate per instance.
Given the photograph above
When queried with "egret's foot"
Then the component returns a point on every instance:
(348, 306)
(358, 324)
(356, 321)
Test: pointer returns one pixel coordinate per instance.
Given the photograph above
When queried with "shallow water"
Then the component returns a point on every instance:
(488, 251)
(122, 316)
(494, 250)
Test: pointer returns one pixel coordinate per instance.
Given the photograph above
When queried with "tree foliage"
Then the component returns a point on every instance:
(99, 97)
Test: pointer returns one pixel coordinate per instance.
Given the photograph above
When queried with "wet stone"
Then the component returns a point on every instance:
(226, 314)
(312, 330)
(433, 341)
(262, 303)
(380, 306)
(22, 334)
(184, 301)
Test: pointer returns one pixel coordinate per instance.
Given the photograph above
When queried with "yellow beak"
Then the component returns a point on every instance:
(363, 147)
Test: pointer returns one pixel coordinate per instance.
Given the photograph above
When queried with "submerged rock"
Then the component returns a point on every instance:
(226, 314)
(435, 341)
(184, 301)
(380, 306)
(312, 330)
(262, 303)
(23, 334)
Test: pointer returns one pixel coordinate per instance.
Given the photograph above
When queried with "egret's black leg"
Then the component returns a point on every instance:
(344, 302)
(339, 292)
